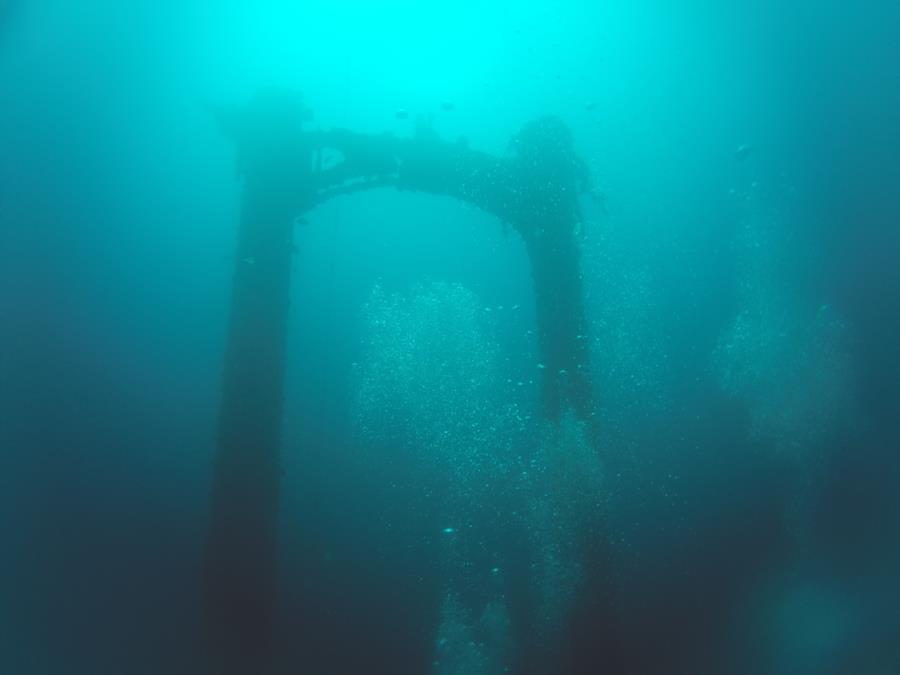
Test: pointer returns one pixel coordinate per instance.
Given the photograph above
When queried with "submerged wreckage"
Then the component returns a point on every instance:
(288, 170)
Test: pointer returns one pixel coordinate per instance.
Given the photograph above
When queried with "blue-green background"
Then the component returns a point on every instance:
(744, 323)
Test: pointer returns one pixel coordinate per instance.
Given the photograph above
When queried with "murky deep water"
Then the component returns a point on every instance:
(736, 510)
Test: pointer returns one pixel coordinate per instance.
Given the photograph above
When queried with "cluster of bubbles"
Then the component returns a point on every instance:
(430, 379)
(565, 484)
(786, 357)
(431, 382)
(630, 357)
(467, 647)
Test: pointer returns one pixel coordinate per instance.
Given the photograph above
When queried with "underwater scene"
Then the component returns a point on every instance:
(397, 337)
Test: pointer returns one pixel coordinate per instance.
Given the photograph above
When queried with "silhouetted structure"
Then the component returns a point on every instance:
(535, 190)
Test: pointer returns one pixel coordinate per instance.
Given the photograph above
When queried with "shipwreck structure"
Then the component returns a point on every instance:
(288, 170)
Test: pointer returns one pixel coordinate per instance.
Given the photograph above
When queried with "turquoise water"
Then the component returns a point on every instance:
(720, 497)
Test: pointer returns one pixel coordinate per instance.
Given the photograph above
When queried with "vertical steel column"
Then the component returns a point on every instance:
(241, 549)
(563, 344)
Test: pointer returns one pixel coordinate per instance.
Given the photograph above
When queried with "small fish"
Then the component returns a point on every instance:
(590, 105)
(448, 106)
(250, 261)
(402, 114)
(743, 152)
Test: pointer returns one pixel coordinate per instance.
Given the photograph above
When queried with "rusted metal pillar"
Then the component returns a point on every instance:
(241, 549)
(562, 329)
(551, 177)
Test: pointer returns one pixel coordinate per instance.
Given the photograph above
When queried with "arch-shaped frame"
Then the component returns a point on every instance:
(535, 190)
